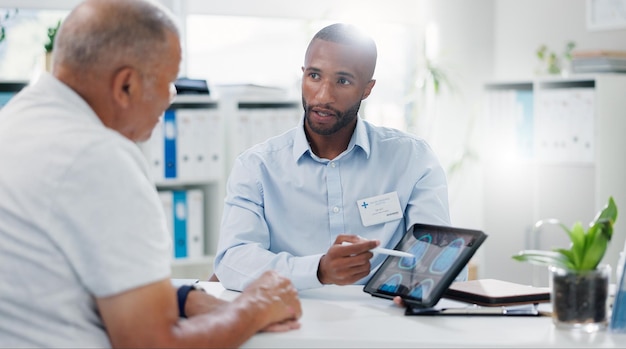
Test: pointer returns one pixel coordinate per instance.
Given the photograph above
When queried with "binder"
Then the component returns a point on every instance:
(198, 142)
(169, 144)
(153, 152)
(212, 143)
(180, 223)
(185, 134)
(195, 223)
(617, 323)
(167, 200)
(184, 213)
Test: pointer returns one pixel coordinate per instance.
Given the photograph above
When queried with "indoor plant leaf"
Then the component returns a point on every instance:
(541, 257)
(577, 236)
(587, 246)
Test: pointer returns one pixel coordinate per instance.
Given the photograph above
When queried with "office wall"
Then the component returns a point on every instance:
(521, 26)
(466, 52)
(496, 40)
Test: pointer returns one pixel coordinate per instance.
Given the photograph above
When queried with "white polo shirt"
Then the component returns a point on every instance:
(79, 218)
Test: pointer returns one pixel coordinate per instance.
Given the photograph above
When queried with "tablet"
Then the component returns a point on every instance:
(440, 253)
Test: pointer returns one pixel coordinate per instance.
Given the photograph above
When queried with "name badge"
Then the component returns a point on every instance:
(380, 209)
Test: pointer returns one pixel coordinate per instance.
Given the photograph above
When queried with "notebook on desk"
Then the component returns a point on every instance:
(492, 292)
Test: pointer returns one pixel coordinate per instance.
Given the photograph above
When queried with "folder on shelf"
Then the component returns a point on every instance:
(169, 144)
(185, 125)
(167, 200)
(180, 223)
(198, 144)
(184, 212)
(212, 143)
(195, 223)
(206, 143)
(153, 152)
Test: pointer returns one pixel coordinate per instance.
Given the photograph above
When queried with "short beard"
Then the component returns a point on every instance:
(343, 118)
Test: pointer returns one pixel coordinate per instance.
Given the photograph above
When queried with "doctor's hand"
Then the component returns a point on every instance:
(346, 264)
(397, 300)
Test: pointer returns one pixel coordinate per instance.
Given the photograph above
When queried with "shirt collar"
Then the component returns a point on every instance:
(359, 138)
(47, 82)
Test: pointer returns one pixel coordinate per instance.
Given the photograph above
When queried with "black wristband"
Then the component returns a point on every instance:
(182, 294)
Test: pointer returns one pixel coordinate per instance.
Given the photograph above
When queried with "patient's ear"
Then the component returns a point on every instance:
(126, 86)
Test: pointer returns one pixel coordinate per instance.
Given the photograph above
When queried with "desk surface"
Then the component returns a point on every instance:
(346, 317)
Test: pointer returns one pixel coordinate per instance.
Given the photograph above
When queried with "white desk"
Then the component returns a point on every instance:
(346, 317)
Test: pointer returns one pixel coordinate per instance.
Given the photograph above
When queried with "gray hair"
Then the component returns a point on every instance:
(108, 33)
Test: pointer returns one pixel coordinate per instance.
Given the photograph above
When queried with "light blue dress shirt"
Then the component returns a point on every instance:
(285, 206)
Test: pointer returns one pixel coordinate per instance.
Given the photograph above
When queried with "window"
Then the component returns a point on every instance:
(22, 51)
(228, 50)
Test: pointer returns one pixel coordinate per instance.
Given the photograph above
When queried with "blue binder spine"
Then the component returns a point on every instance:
(618, 314)
(169, 140)
(180, 223)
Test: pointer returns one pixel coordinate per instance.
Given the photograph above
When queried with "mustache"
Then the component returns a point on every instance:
(309, 108)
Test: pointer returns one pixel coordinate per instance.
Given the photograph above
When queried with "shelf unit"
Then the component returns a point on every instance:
(235, 121)
(552, 150)
(186, 158)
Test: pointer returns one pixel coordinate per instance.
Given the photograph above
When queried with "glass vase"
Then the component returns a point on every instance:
(580, 299)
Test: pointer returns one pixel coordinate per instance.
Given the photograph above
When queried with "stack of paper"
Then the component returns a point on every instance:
(600, 61)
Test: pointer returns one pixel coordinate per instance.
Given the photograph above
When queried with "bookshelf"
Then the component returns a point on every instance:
(551, 150)
(209, 133)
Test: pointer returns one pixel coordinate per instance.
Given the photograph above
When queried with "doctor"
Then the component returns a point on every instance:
(292, 200)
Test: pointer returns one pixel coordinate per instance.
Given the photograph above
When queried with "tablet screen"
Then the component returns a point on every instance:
(440, 253)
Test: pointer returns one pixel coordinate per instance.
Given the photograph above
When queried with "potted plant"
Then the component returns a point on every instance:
(49, 45)
(579, 283)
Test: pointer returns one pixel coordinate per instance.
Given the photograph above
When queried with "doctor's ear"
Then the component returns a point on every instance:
(368, 89)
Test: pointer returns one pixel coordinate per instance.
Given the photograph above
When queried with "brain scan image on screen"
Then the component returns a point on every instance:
(422, 289)
(418, 250)
(446, 258)
(439, 254)
(392, 284)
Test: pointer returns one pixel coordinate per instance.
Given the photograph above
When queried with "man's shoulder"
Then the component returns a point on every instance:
(384, 133)
(273, 145)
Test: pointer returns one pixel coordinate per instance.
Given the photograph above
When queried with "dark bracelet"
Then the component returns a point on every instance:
(182, 294)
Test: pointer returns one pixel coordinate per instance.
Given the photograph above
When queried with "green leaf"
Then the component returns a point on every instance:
(540, 257)
(569, 256)
(587, 247)
(607, 217)
(577, 237)
(594, 253)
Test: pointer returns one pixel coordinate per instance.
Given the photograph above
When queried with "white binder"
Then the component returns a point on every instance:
(185, 124)
(153, 151)
(167, 201)
(195, 223)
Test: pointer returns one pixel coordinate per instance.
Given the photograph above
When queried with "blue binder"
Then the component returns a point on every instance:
(618, 316)
(180, 223)
(169, 143)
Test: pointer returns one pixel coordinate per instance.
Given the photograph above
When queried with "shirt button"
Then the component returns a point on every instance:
(335, 209)
(332, 164)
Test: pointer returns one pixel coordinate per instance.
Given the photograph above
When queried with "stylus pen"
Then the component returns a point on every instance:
(386, 251)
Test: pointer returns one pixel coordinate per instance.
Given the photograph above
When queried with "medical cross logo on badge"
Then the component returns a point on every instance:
(384, 208)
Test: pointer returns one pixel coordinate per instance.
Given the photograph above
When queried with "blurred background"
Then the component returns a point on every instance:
(524, 132)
